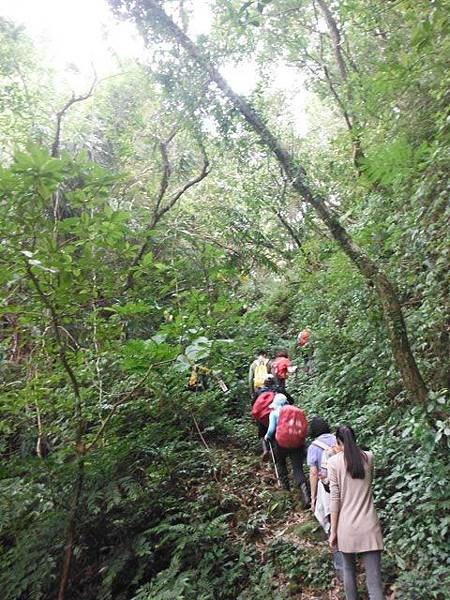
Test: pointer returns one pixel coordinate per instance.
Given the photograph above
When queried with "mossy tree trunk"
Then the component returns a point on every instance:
(387, 296)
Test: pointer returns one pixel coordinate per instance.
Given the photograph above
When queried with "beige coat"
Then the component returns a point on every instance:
(358, 527)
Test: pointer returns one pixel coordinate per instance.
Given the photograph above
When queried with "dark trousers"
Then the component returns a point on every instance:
(280, 384)
(262, 430)
(372, 565)
(297, 457)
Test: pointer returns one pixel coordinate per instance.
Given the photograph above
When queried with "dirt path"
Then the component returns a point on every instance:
(284, 535)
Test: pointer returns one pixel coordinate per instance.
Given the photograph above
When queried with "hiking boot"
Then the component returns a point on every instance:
(265, 456)
(304, 495)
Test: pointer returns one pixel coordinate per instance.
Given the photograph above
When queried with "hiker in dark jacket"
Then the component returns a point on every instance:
(296, 455)
(269, 386)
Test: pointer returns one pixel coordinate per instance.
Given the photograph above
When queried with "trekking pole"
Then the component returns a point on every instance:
(274, 463)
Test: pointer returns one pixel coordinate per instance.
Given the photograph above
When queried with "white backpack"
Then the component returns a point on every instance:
(326, 454)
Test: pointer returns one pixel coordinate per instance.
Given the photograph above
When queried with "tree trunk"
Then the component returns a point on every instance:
(351, 120)
(390, 305)
(71, 530)
(336, 38)
(79, 446)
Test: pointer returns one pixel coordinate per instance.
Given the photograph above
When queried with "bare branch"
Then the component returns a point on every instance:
(351, 120)
(177, 195)
(159, 211)
(337, 98)
(336, 38)
(167, 172)
(121, 400)
(60, 115)
(208, 449)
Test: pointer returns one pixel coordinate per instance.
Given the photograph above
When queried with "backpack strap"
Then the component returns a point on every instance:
(325, 447)
(321, 444)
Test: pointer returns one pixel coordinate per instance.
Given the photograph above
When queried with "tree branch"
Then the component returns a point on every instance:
(177, 195)
(297, 177)
(167, 172)
(160, 210)
(61, 348)
(121, 401)
(352, 121)
(60, 115)
(336, 39)
(337, 98)
(79, 479)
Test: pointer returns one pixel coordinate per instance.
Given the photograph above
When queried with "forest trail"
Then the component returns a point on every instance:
(274, 522)
(237, 173)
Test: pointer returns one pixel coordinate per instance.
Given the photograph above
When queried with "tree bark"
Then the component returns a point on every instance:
(390, 305)
(352, 121)
(79, 446)
(71, 530)
(336, 39)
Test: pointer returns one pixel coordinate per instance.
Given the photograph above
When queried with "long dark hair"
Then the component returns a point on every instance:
(353, 455)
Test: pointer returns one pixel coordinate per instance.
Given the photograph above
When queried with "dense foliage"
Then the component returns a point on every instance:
(145, 230)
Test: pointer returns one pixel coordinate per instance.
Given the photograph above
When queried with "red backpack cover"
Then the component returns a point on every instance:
(260, 409)
(280, 366)
(292, 427)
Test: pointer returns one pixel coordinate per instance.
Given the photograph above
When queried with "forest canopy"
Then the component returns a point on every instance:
(158, 220)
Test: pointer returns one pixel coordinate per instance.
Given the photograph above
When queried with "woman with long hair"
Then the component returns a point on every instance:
(355, 528)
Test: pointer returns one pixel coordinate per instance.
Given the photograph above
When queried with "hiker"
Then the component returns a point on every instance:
(286, 434)
(305, 347)
(260, 410)
(198, 380)
(303, 337)
(269, 385)
(321, 448)
(323, 441)
(258, 372)
(280, 366)
(354, 523)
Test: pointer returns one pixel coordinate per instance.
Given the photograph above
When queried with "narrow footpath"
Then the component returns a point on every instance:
(288, 541)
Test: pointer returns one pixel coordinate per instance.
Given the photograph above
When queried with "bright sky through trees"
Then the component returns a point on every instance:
(158, 231)
(83, 36)
(76, 36)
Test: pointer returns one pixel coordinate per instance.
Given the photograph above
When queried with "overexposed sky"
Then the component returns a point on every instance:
(77, 35)
(82, 36)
